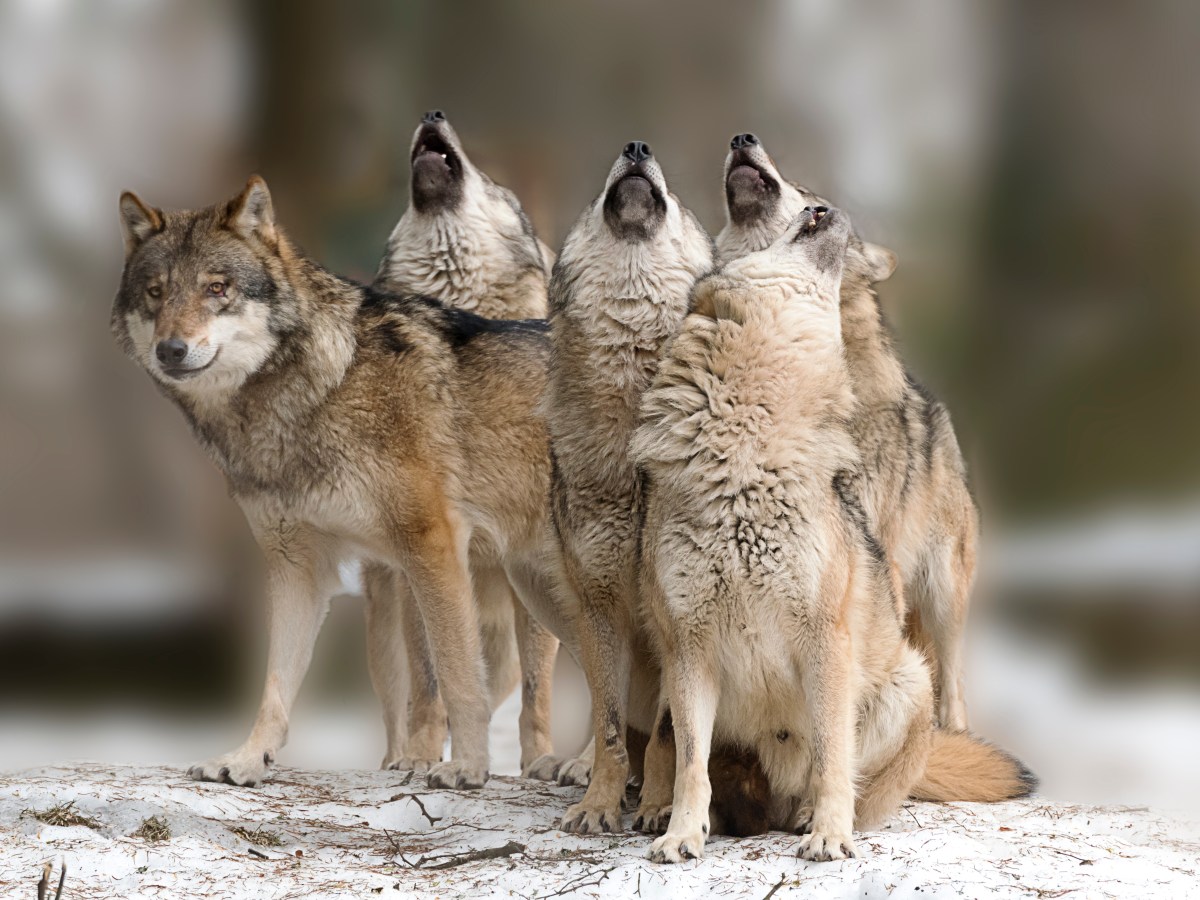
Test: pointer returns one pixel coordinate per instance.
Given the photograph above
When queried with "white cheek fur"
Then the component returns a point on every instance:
(235, 345)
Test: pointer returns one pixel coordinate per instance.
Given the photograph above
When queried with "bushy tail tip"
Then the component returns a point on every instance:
(964, 767)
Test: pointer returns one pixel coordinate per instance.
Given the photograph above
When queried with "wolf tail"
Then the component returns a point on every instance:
(962, 766)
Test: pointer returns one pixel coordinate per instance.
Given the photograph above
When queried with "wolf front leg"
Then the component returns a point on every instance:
(606, 659)
(437, 568)
(693, 694)
(301, 576)
(824, 658)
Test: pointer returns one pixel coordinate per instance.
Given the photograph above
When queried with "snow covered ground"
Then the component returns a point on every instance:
(363, 834)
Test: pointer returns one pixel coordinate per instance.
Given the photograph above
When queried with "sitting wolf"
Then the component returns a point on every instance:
(914, 479)
(770, 599)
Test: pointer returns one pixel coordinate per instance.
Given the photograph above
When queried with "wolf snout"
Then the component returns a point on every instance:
(637, 151)
(433, 117)
(742, 141)
(171, 352)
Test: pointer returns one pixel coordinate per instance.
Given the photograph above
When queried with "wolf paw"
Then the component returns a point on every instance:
(675, 846)
(246, 767)
(580, 819)
(820, 847)
(457, 776)
(544, 768)
(652, 819)
(576, 771)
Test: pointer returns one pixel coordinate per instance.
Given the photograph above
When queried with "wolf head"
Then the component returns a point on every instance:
(636, 232)
(760, 204)
(804, 265)
(203, 300)
(463, 239)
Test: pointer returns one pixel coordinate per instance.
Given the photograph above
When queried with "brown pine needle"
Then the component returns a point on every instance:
(63, 815)
(154, 829)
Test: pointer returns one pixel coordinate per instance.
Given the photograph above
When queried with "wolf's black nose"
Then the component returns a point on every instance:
(433, 117)
(636, 151)
(171, 352)
(742, 140)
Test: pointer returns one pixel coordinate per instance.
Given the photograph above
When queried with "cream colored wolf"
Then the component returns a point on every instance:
(914, 479)
(466, 241)
(771, 601)
(618, 293)
(349, 424)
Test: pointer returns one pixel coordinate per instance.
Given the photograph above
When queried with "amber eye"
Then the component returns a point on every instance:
(154, 292)
(216, 288)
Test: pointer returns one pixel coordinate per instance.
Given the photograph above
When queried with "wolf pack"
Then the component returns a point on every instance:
(701, 467)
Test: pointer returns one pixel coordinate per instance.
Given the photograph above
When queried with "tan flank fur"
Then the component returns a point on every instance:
(914, 479)
(771, 601)
(618, 293)
(350, 424)
(466, 241)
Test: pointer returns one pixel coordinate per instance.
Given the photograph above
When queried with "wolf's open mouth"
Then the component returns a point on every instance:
(814, 216)
(635, 203)
(432, 150)
(636, 180)
(744, 174)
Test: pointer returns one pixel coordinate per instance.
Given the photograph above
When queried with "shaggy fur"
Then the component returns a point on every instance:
(771, 602)
(914, 479)
(465, 241)
(619, 292)
(349, 424)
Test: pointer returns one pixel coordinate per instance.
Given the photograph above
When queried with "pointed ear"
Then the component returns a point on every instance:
(251, 212)
(138, 221)
(881, 262)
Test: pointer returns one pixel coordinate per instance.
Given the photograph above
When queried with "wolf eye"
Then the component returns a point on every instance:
(216, 288)
(154, 291)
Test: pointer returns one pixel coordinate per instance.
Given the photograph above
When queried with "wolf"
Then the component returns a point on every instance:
(914, 478)
(619, 291)
(466, 241)
(349, 424)
(771, 601)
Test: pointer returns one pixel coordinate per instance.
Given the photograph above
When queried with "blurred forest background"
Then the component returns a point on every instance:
(1034, 166)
